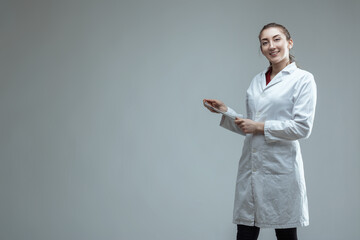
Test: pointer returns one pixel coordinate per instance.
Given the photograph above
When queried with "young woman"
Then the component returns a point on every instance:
(280, 103)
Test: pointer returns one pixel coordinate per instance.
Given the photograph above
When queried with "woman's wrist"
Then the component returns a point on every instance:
(260, 127)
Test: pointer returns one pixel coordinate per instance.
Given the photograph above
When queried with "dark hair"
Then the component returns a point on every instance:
(283, 30)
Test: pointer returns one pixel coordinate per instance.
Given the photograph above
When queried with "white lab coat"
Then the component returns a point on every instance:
(270, 187)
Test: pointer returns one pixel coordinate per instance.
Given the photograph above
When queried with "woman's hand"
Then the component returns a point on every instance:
(250, 126)
(216, 104)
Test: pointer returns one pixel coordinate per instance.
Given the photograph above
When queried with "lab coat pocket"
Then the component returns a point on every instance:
(278, 159)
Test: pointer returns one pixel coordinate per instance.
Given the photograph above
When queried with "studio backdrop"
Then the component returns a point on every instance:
(102, 130)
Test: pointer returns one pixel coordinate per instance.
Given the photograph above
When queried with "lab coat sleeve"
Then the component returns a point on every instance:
(303, 113)
(229, 123)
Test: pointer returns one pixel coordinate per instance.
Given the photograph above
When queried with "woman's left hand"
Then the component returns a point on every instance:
(250, 126)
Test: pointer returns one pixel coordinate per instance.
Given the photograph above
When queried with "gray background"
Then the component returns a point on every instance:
(102, 130)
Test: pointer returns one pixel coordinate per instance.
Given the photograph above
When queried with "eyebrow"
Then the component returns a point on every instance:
(277, 35)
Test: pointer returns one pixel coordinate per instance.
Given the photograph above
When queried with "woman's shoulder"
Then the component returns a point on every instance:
(304, 75)
(304, 79)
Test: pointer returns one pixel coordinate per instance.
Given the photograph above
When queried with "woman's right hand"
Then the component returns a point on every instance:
(216, 104)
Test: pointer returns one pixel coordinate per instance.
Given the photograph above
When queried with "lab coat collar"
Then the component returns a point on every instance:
(290, 68)
(287, 70)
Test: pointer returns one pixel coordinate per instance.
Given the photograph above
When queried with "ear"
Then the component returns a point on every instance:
(291, 44)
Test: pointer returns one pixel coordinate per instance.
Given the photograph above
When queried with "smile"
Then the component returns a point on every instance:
(274, 53)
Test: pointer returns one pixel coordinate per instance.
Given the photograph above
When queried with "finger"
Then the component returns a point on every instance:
(206, 101)
(212, 102)
(210, 109)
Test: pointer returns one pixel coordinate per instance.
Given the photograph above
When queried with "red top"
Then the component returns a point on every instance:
(267, 74)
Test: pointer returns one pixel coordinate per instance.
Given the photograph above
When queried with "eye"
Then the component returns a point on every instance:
(264, 43)
(277, 39)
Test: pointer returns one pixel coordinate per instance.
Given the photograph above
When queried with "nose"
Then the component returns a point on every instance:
(271, 44)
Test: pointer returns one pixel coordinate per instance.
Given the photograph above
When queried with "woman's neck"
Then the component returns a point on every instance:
(276, 68)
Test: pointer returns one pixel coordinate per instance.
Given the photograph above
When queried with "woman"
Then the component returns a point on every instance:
(280, 103)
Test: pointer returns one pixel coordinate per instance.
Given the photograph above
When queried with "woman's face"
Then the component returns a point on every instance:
(274, 45)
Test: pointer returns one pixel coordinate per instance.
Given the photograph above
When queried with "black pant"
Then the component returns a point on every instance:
(252, 233)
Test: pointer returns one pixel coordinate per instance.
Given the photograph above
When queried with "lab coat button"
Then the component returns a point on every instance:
(254, 150)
